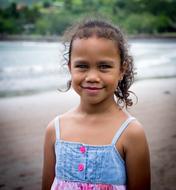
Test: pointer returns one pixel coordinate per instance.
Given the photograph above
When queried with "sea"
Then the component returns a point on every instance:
(34, 67)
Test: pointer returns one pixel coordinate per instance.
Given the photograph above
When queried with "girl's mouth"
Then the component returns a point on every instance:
(91, 90)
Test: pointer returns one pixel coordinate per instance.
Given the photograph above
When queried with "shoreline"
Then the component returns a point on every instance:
(28, 93)
(54, 38)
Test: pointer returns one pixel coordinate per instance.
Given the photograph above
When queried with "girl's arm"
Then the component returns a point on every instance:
(137, 159)
(49, 158)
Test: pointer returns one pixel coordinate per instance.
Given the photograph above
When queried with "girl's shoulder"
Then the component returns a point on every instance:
(50, 130)
(135, 129)
(50, 134)
(135, 136)
(137, 156)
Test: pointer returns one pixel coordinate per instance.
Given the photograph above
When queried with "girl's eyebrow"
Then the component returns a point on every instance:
(98, 62)
(80, 62)
(106, 62)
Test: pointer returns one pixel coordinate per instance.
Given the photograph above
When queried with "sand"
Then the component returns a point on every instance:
(23, 121)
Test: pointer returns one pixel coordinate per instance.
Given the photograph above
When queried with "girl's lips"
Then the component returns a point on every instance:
(92, 90)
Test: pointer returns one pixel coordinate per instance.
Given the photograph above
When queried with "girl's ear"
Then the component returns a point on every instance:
(121, 76)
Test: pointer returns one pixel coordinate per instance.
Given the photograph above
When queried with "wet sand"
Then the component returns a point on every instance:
(23, 121)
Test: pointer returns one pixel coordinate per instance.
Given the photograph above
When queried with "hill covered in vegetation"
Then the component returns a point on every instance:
(51, 17)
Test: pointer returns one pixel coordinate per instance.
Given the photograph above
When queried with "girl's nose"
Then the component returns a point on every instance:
(92, 76)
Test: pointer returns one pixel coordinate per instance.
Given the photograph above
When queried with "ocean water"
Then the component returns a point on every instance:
(154, 58)
(31, 67)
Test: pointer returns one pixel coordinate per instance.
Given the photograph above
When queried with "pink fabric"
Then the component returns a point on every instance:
(64, 185)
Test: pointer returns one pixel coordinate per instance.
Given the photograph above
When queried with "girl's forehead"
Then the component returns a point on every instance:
(94, 38)
(95, 43)
(94, 48)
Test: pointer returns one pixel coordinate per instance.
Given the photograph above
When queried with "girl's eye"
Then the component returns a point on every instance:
(81, 66)
(104, 66)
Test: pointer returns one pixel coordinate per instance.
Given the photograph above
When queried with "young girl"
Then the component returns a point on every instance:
(98, 145)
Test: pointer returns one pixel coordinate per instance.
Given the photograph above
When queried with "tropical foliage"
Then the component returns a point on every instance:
(51, 17)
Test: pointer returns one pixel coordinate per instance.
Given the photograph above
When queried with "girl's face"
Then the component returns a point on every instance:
(95, 69)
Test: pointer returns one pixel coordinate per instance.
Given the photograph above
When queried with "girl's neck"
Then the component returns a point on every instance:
(102, 107)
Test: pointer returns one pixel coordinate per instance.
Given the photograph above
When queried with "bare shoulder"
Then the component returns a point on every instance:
(50, 133)
(135, 133)
(137, 157)
(49, 156)
(68, 116)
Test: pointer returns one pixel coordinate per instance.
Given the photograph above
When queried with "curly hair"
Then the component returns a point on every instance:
(104, 29)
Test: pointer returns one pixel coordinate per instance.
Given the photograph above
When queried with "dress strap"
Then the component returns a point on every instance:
(121, 129)
(57, 127)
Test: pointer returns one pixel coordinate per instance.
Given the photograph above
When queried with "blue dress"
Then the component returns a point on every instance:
(81, 166)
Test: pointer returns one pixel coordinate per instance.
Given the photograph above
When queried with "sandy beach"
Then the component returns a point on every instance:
(23, 121)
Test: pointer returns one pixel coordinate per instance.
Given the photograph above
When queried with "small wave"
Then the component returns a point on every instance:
(28, 71)
(41, 44)
(150, 62)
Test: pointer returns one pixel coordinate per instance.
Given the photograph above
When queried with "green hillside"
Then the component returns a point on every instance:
(52, 17)
(6, 3)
